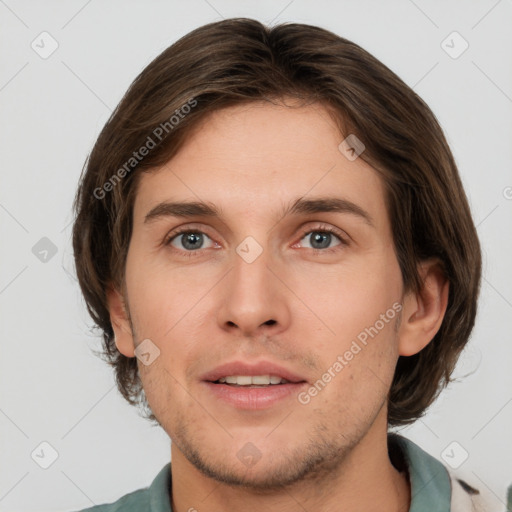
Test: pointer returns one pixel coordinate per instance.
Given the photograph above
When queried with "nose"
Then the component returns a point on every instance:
(254, 297)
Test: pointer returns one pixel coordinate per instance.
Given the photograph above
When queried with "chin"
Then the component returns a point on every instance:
(274, 469)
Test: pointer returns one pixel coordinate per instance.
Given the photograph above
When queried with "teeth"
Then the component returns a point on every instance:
(262, 380)
(248, 380)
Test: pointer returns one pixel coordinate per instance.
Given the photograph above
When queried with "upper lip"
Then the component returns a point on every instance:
(241, 368)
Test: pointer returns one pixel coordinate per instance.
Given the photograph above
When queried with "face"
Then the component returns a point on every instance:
(287, 271)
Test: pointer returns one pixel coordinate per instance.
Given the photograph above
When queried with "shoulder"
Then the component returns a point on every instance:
(155, 498)
(134, 501)
(434, 485)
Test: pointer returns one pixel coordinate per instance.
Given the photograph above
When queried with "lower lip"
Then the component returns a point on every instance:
(255, 398)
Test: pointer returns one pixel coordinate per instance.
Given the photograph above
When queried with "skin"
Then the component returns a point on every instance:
(201, 311)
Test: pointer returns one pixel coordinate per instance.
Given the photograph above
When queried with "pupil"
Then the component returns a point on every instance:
(323, 239)
(191, 240)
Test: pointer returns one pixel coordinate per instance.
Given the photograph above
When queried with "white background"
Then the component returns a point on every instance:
(52, 387)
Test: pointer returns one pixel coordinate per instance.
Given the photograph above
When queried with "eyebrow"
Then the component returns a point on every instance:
(299, 206)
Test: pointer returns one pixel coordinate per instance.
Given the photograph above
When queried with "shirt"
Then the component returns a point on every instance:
(433, 487)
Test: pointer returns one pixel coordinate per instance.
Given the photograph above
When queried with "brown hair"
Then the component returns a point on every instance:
(240, 60)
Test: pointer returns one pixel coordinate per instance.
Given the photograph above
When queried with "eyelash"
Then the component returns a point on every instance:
(319, 229)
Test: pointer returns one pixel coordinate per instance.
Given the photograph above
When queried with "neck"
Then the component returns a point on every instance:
(364, 480)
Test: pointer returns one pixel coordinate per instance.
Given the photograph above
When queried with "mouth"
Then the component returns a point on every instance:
(253, 381)
(252, 387)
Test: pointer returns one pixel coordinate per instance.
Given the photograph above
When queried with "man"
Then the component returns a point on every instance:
(272, 235)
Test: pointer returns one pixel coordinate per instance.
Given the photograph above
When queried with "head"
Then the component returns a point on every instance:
(372, 254)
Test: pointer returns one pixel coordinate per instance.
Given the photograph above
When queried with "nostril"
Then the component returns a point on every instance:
(270, 322)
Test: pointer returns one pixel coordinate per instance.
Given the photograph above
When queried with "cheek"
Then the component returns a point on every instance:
(345, 301)
(355, 377)
(162, 297)
(173, 313)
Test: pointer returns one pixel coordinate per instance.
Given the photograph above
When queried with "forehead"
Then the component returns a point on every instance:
(254, 158)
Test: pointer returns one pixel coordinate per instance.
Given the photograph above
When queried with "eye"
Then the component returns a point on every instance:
(322, 239)
(188, 241)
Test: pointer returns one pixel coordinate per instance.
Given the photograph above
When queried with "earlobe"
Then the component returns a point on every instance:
(423, 312)
(120, 321)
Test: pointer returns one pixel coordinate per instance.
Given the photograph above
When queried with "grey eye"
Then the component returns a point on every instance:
(320, 239)
(190, 240)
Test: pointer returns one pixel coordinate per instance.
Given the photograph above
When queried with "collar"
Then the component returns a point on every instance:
(429, 479)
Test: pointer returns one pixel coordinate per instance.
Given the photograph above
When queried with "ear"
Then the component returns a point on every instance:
(120, 321)
(423, 312)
